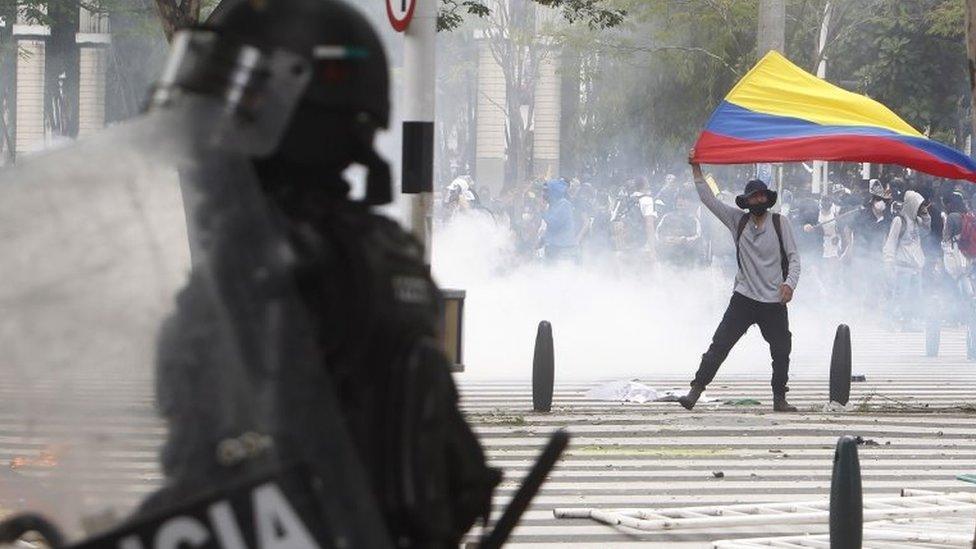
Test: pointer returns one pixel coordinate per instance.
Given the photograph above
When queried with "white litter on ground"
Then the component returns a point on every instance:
(634, 391)
(623, 391)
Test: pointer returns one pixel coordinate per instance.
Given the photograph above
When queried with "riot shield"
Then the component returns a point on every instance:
(145, 400)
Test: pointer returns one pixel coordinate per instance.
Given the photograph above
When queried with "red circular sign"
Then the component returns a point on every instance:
(400, 13)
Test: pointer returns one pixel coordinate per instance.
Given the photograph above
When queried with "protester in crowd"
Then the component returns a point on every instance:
(668, 195)
(904, 258)
(680, 234)
(527, 207)
(645, 205)
(786, 202)
(955, 261)
(462, 197)
(806, 211)
(836, 238)
(870, 227)
(458, 197)
(721, 247)
(558, 232)
(596, 236)
(633, 219)
(871, 224)
(769, 270)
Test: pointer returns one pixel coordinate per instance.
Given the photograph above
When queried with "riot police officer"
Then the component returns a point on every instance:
(373, 311)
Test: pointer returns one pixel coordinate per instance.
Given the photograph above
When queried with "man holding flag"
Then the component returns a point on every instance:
(769, 270)
(780, 113)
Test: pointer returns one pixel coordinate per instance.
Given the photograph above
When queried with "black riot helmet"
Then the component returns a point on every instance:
(343, 100)
(349, 65)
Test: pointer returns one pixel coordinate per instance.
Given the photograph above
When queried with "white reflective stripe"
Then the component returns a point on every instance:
(330, 52)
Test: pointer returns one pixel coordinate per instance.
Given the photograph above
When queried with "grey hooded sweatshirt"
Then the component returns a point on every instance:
(760, 273)
(903, 247)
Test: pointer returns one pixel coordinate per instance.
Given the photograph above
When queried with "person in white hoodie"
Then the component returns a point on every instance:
(904, 258)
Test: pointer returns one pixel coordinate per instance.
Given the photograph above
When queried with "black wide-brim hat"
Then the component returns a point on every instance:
(755, 187)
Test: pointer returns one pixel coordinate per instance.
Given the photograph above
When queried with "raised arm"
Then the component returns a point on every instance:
(728, 215)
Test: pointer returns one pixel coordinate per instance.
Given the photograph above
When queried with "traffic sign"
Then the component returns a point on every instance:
(400, 12)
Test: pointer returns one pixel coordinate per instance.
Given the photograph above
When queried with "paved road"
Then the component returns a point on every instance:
(918, 410)
(919, 414)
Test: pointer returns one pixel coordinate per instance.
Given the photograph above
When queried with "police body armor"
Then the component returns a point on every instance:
(373, 310)
(303, 396)
(380, 315)
(374, 314)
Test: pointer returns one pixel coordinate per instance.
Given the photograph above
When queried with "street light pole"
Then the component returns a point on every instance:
(771, 35)
(418, 120)
(971, 51)
(819, 166)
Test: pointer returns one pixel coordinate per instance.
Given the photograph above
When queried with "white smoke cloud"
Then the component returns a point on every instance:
(607, 322)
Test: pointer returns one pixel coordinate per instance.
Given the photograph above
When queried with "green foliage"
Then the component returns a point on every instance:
(451, 14)
(596, 14)
(911, 56)
(649, 85)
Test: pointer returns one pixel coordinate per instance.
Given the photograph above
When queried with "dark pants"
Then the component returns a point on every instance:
(774, 323)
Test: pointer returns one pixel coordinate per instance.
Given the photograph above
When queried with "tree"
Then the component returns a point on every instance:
(596, 14)
(514, 44)
(136, 51)
(647, 87)
(178, 14)
(457, 104)
(971, 62)
(910, 57)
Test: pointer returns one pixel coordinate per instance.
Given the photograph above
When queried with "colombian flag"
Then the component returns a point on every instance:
(780, 113)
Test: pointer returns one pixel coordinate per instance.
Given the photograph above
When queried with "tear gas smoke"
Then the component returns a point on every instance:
(608, 322)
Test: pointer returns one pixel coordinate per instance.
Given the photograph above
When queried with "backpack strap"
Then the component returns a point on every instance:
(783, 262)
(743, 221)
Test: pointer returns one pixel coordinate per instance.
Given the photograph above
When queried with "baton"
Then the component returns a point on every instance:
(526, 492)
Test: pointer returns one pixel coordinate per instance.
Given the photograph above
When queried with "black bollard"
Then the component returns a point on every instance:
(543, 369)
(846, 502)
(840, 366)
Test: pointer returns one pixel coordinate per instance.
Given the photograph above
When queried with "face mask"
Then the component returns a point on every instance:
(879, 206)
(758, 209)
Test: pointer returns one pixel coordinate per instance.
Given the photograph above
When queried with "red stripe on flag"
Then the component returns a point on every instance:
(713, 148)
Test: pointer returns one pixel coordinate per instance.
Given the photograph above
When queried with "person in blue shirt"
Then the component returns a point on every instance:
(558, 234)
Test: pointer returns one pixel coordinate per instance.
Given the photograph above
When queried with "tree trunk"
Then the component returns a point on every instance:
(513, 149)
(62, 72)
(177, 14)
(6, 144)
(8, 59)
(771, 32)
(971, 51)
(569, 99)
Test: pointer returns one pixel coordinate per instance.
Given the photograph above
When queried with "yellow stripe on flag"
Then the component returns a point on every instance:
(777, 86)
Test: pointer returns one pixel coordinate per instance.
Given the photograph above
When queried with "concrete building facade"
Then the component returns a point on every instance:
(28, 123)
(492, 117)
(491, 121)
(31, 131)
(93, 39)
